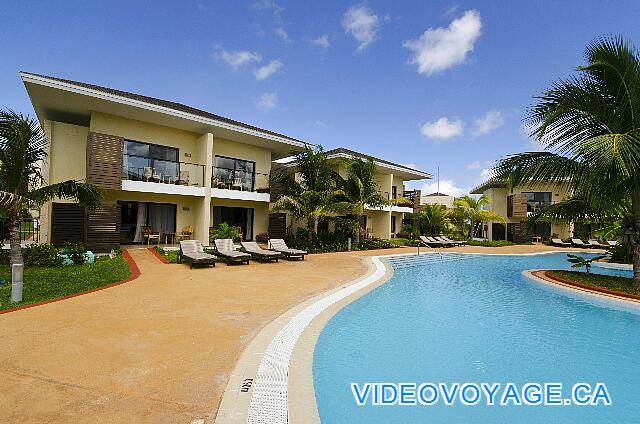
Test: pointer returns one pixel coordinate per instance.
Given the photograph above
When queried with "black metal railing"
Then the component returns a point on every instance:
(235, 179)
(142, 168)
(29, 229)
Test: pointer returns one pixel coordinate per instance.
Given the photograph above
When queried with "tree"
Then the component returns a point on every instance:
(22, 149)
(358, 190)
(432, 219)
(310, 196)
(474, 211)
(589, 127)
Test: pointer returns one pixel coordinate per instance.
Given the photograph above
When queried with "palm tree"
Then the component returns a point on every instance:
(359, 190)
(22, 186)
(309, 196)
(474, 211)
(589, 126)
(432, 219)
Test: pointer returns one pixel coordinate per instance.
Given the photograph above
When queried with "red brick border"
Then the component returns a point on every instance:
(135, 273)
(587, 287)
(158, 255)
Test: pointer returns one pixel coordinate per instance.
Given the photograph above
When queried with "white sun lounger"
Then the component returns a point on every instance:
(252, 248)
(280, 246)
(559, 242)
(192, 252)
(226, 249)
(595, 243)
(578, 243)
(612, 243)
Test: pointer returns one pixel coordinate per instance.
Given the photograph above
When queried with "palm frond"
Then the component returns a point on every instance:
(86, 194)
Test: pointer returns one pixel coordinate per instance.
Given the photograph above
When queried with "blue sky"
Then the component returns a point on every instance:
(437, 83)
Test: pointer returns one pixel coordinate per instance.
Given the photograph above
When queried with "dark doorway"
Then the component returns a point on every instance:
(498, 231)
(242, 218)
(161, 217)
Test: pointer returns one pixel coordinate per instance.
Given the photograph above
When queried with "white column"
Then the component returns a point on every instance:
(202, 211)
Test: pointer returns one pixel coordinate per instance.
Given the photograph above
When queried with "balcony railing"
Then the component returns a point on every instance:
(141, 168)
(234, 179)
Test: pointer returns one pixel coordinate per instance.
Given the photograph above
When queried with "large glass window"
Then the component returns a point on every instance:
(144, 161)
(234, 173)
(537, 200)
(241, 218)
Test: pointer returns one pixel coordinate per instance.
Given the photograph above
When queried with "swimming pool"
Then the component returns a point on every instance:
(476, 318)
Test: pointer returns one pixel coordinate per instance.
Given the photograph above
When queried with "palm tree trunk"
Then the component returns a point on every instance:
(15, 256)
(315, 226)
(632, 230)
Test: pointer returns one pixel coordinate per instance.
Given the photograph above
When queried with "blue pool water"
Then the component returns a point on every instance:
(477, 319)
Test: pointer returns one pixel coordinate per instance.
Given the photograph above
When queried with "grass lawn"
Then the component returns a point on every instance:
(170, 255)
(50, 283)
(621, 284)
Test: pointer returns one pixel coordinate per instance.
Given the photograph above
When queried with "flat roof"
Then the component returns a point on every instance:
(71, 101)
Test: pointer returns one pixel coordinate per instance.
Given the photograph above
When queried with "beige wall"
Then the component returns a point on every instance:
(186, 142)
(232, 149)
(68, 152)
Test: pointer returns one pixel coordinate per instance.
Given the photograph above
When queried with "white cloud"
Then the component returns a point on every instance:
(267, 101)
(446, 187)
(322, 41)
(442, 129)
(267, 70)
(237, 58)
(362, 24)
(491, 120)
(320, 124)
(473, 165)
(438, 49)
(282, 33)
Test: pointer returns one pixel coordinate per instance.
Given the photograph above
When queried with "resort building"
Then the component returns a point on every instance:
(516, 205)
(167, 170)
(379, 222)
(438, 199)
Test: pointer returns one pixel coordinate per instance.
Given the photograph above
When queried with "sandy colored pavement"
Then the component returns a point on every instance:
(160, 348)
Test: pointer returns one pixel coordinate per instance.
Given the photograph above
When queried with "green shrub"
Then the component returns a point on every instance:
(224, 231)
(373, 243)
(331, 241)
(75, 252)
(621, 253)
(490, 243)
(36, 255)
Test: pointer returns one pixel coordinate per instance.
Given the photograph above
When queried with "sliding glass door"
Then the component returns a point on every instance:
(161, 217)
(230, 170)
(242, 218)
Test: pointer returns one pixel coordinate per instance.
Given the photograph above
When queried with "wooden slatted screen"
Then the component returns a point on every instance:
(104, 160)
(277, 225)
(67, 224)
(103, 228)
(516, 205)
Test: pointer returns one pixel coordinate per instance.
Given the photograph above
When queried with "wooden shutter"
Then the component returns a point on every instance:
(103, 228)
(67, 224)
(104, 160)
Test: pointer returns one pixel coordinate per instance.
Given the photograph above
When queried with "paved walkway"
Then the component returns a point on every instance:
(160, 348)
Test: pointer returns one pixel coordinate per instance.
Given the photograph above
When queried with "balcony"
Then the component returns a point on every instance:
(150, 175)
(240, 184)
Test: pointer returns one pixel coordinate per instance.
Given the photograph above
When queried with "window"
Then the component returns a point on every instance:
(241, 218)
(394, 192)
(537, 200)
(393, 224)
(229, 169)
(137, 156)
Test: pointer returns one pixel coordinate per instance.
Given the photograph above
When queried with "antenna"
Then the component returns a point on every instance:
(438, 191)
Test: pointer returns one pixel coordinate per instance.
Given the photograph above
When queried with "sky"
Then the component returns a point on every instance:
(427, 84)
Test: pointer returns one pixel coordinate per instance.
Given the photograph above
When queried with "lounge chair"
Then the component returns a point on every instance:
(226, 249)
(595, 243)
(257, 252)
(578, 243)
(428, 241)
(559, 242)
(280, 246)
(612, 243)
(192, 252)
(453, 242)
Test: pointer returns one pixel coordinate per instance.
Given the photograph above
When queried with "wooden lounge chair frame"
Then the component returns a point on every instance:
(256, 252)
(192, 252)
(278, 245)
(226, 249)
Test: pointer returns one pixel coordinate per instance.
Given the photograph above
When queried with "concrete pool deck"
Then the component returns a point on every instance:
(162, 347)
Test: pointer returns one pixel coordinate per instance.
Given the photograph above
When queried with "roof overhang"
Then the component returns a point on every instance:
(61, 101)
(488, 185)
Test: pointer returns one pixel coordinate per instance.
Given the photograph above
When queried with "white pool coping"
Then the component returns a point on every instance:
(280, 358)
